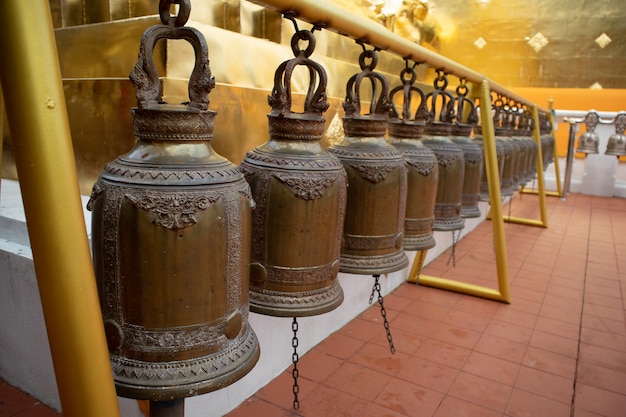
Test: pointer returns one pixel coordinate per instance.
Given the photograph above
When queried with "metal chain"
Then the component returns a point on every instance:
(383, 312)
(294, 359)
(453, 252)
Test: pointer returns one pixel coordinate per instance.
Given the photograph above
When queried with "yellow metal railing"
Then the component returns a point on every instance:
(35, 106)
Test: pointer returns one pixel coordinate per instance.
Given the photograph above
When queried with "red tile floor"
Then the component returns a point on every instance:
(559, 348)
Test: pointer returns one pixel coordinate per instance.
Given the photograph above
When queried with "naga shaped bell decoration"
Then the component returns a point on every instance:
(589, 142)
(374, 224)
(617, 141)
(404, 133)
(300, 194)
(449, 157)
(472, 153)
(171, 235)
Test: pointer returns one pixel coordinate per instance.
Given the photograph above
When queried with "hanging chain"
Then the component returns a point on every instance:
(294, 359)
(383, 312)
(452, 257)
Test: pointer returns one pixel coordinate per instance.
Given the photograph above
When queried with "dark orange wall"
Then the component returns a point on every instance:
(574, 99)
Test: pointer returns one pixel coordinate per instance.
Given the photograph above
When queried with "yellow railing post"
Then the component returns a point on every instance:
(502, 293)
(35, 104)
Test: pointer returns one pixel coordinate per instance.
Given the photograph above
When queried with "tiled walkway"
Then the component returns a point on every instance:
(558, 350)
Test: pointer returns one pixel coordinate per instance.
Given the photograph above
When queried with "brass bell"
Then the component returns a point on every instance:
(520, 138)
(589, 142)
(502, 133)
(374, 224)
(548, 141)
(300, 192)
(405, 132)
(171, 233)
(472, 153)
(533, 149)
(449, 157)
(617, 141)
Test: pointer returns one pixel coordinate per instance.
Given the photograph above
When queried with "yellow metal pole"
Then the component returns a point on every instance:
(557, 171)
(503, 292)
(418, 264)
(540, 181)
(44, 157)
(338, 19)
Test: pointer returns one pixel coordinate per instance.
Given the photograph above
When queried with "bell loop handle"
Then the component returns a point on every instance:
(620, 123)
(145, 76)
(408, 76)
(315, 101)
(379, 105)
(591, 121)
(179, 20)
(446, 111)
(461, 102)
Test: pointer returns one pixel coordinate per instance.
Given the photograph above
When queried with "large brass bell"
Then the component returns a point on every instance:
(526, 129)
(466, 118)
(589, 142)
(171, 235)
(449, 157)
(519, 137)
(405, 132)
(300, 192)
(617, 141)
(374, 224)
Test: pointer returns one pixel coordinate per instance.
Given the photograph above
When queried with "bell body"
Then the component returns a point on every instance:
(616, 145)
(377, 190)
(484, 184)
(451, 163)
(524, 159)
(588, 143)
(171, 232)
(473, 157)
(422, 180)
(300, 194)
(508, 183)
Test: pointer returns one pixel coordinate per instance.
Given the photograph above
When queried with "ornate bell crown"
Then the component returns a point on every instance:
(375, 122)
(466, 116)
(407, 125)
(440, 104)
(191, 120)
(308, 125)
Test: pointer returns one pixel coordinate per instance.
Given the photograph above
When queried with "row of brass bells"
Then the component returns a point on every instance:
(472, 153)
(484, 184)
(502, 130)
(449, 157)
(529, 149)
(589, 141)
(617, 141)
(404, 133)
(171, 235)
(300, 194)
(374, 223)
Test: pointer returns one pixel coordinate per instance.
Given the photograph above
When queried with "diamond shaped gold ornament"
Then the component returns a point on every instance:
(480, 43)
(538, 41)
(603, 40)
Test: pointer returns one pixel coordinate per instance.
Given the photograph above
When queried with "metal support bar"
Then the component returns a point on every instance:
(337, 19)
(36, 110)
(570, 158)
(491, 165)
(174, 408)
